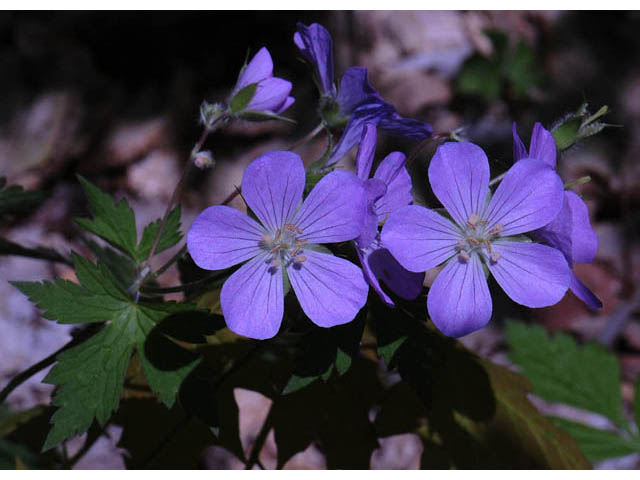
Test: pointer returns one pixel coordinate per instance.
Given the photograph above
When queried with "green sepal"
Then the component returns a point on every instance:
(241, 100)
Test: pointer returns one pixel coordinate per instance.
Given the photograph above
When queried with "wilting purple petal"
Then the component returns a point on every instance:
(355, 90)
(330, 290)
(394, 174)
(419, 238)
(519, 150)
(287, 103)
(370, 277)
(584, 240)
(381, 264)
(366, 152)
(542, 145)
(259, 68)
(459, 177)
(315, 44)
(394, 124)
(529, 197)
(334, 210)
(271, 94)
(531, 274)
(374, 189)
(557, 234)
(222, 236)
(458, 301)
(581, 291)
(252, 300)
(272, 186)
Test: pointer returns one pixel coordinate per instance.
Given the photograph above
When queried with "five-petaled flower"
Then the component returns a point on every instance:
(356, 102)
(529, 197)
(264, 92)
(387, 191)
(570, 232)
(330, 290)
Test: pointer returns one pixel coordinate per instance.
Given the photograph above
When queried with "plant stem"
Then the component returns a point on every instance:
(497, 179)
(148, 460)
(8, 247)
(260, 441)
(307, 137)
(184, 286)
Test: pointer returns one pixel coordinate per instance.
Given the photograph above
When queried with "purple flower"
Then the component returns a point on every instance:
(388, 190)
(330, 290)
(271, 94)
(356, 102)
(570, 232)
(480, 235)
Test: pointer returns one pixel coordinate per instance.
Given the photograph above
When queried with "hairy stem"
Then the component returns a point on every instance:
(307, 137)
(8, 247)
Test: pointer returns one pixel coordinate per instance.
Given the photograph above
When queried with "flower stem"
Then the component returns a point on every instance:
(307, 137)
(497, 179)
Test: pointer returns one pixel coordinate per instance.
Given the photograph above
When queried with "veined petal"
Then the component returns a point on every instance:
(334, 211)
(519, 150)
(374, 189)
(584, 240)
(557, 234)
(581, 291)
(315, 44)
(366, 152)
(531, 274)
(222, 236)
(378, 263)
(394, 174)
(259, 68)
(331, 290)
(355, 90)
(542, 146)
(394, 124)
(529, 197)
(270, 95)
(419, 238)
(370, 277)
(459, 301)
(272, 186)
(252, 300)
(459, 177)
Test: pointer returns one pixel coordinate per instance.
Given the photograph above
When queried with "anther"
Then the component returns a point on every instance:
(495, 256)
(289, 227)
(474, 218)
(266, 238)
(464, 256)
(278, 234)
(473, 241)
(275, 262)
(300, 259)
(497, 229)
(298, 230)
(275, 249)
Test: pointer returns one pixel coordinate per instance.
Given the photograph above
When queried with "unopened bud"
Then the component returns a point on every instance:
(204, 160)
(209, 113)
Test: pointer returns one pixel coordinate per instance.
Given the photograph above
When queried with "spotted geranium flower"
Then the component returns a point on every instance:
(387, 191)
(330, 290)
(356, 102)
(481, 233)
(570, 232)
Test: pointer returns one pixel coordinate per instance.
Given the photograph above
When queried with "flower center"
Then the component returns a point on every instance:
(477, 237)
(284, 246)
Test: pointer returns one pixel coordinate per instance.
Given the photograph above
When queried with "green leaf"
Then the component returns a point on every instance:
(480, 77)
(521, 69)
(586, 377)
(114, 223)
(597, 444)
(241, 100)
(171, 235)
(14, 200)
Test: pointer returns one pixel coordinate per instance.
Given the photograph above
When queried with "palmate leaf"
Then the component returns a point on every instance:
(91, 375)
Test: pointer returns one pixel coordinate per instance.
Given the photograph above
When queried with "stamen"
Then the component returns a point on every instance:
(495, 256)
(473, 220)
(275, 249)
(461, 244)
(275, 262)
(497, 229)
(464, 256)
(278, 234)
(267, 239)
(488, 245)
(300, 243)
(294, 252)
(300, 259)
(290, 227)
(299, 231)
(473, 241)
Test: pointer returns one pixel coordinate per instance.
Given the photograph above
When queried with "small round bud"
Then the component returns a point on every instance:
(203, 160)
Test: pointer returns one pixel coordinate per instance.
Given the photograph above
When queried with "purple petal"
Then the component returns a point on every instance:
(394, 124)
(529, 197)
(355, 90)
(334, 211)
(381, 264)
(531, 274)
(374, 189)
(366, 152)
(314, 43)
(331, 290)
(259, 68)
(270, 95)
(459, 177)
(222, 236)
(272, 187)
(581, 291)
(458, 301)
(542, 146)
(370, 277)
(519, 150)
(584, 240)
(557, 234)
(287, 103)
(394, 174)
(252, 300)
(419, 238)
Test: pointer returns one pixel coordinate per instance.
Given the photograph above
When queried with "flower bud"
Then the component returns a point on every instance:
(203, 160)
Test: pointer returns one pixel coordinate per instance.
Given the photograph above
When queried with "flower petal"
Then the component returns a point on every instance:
(366, 152)
(519, 150)
(270, 95)
(394, 124)
(557, 234)
(459, 177)
(542, 146)
(531, 274)
(374, 189)
(259, 68)
(334, 211)
(272, 186)
(222, 236)
(355, 90)
(287, 103)
(581, 291)
(252, 300)
(529, 197)
(331, 290)
(394, 174)
(370, 277)
(458, 301)
(315, 44)
(419, 238)
(583, 239)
